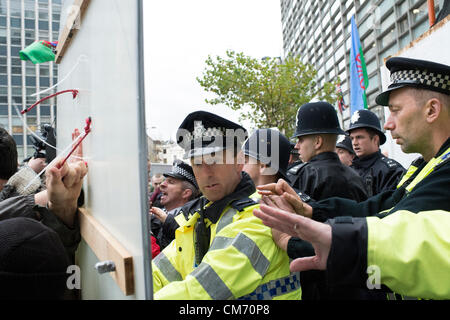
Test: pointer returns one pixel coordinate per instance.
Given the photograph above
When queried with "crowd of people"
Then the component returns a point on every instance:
(255, 217)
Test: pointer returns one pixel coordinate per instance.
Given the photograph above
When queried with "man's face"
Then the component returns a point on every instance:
(216, 179)
(363, 144)
(345, 156)
(156, 182)
(305, 147)
(405, 121)
(171, 191)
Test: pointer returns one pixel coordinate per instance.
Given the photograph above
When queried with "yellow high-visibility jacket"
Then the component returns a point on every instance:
(242, 262)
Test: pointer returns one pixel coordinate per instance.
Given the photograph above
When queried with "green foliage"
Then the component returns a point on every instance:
(272, 89)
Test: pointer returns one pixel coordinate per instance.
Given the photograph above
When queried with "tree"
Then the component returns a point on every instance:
(272, 89)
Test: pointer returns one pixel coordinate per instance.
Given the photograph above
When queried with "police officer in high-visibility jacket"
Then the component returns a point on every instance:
(221, 251)
(401, 239)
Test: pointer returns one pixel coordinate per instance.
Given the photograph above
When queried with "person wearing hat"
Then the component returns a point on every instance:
(321, 176)
(344, 150)
(397, 240)
(221, 251)
(294, 162)
(178, 188)
(266, 154)
(378, 172)
(33, 262)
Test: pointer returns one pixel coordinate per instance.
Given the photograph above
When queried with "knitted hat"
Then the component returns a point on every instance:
(33, 261)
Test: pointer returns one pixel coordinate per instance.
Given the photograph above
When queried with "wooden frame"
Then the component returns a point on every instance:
(71, 27)
(106, 247)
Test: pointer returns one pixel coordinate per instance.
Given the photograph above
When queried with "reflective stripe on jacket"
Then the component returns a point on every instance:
(242, 262)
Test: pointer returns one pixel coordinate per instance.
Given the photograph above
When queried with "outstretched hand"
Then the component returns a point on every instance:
(289, 197)
(318, 234)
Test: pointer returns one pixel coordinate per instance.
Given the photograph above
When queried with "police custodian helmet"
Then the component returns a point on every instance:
(316, 118)
(366, 119)
(270, 147)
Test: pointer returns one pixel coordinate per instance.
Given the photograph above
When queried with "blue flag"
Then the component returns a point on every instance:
(358, 73)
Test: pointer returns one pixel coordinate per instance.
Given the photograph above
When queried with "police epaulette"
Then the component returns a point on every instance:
(243, 203)
(294, 170)
(192, 206)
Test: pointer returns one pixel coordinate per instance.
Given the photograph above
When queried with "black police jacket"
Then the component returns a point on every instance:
(324, 176)
(379, 173)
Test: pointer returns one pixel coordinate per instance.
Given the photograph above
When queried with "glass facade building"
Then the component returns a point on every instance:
(320, 33)
(21, 23)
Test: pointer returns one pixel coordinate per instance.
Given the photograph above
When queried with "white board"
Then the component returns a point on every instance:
(104, 62)
(433, 45)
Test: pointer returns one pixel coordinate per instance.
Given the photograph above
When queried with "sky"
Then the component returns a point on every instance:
(178, 37)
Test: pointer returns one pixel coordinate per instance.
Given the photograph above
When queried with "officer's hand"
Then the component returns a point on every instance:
(284, 190)
(159, 213)
(318, 234)
(280, 238)
(63, 189)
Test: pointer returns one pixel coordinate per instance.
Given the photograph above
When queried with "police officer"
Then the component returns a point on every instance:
(221, 251)
(378, 172)
(294, 163)
(403, 233)
(178, 188)
(344, 150)
(267, 153)
(322, 175)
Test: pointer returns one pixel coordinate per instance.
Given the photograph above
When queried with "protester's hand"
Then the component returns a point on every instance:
(37, 164)
(63, 189)
(77, 155)
(318, 234)
(285, 191)
(159, 213)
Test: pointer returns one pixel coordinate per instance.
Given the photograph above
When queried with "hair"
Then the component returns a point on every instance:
(329, 140)
(195, 192)
(423, 95)
(8, 155)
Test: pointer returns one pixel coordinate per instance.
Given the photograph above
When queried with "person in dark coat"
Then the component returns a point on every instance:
(321, 176)
(379, 173)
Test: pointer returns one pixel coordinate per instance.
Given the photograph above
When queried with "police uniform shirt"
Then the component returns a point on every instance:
(378, 172)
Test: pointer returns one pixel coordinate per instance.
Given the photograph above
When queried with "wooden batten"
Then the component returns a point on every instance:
(106, 247)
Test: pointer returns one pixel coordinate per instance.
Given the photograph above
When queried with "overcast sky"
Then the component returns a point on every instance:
(178, 37)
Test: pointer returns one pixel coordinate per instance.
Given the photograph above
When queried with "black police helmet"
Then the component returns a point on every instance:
(366, 119)
(345, 142)
(316, 118)
(270, 147)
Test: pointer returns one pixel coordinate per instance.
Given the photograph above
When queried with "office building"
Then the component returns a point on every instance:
(320, 33)
(21, 23)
